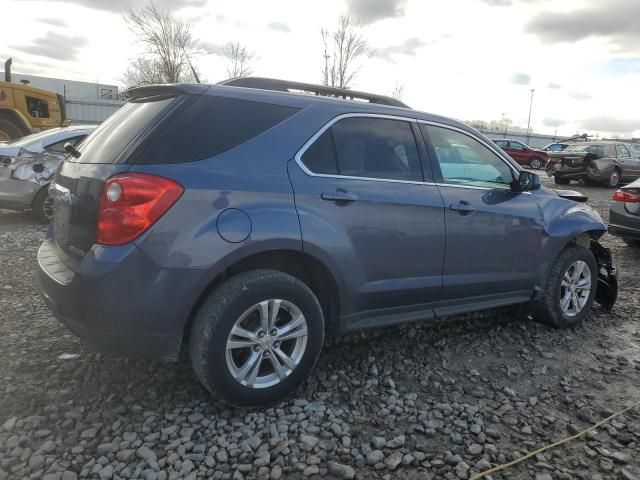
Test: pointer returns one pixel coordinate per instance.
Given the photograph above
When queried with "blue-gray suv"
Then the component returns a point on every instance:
(245, 222)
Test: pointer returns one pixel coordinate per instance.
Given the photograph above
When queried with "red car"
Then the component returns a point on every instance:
(523, 154)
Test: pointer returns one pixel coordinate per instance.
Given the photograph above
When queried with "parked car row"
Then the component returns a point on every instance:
(605, 163)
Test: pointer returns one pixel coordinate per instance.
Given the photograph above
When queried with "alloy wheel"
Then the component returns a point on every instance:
(575, 288)
(266, 343)
(535, 163)
(614, 179)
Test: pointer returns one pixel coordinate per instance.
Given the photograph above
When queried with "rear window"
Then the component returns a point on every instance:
(210, 126)
(116, 132)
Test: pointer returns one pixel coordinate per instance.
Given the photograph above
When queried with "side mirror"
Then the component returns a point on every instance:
(526, 182)
(72, 150)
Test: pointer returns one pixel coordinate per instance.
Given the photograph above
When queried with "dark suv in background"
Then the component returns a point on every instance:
(247, 223)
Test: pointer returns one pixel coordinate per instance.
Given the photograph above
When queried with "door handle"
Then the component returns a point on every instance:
(462, 207)
(344, 197)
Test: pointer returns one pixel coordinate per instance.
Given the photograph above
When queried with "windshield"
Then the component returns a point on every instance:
(596, 149)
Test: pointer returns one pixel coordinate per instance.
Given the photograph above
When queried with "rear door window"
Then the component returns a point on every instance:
(366, 147)
(209, 126)
(622, 151)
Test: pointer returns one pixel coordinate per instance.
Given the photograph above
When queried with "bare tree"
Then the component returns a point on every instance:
(398, 91)
(167, 41)
(343, 49)
(239, 59)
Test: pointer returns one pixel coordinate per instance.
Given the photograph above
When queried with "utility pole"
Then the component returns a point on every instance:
(529, 121)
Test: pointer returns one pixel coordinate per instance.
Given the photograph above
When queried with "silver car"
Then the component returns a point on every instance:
(27, 166)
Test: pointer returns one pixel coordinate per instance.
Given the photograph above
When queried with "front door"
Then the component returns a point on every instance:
(493, 234)
(366, 210)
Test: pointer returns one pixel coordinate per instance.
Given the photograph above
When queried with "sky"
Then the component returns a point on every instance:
(467, 59)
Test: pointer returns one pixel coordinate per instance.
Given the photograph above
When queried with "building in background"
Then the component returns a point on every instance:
(85, 102)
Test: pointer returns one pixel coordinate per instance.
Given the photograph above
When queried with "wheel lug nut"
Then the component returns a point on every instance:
(261, 334)
(256, 348)
(276, 344)
(273, 332)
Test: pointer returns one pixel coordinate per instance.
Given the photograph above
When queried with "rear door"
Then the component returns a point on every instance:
(365, 208)
(630, 165)
(78, 182)
(518, 152)
(493, 234)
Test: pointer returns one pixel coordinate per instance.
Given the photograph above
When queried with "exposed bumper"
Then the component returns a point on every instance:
(562, 171)
(119, 301)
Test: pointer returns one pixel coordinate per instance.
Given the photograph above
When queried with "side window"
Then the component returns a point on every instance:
(377, 148)
(320, 157)
(517, 146)
(368, 148)
(58, 147)
(210, 126)
(37, 108)
(622, 151)
(465, 161)
(501, 143)
(608, 150)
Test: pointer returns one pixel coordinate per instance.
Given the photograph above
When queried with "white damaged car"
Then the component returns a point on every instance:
(27, 166)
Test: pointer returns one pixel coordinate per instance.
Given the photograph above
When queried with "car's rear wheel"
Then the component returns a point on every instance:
(570, 289)
(561, 181)
(614, 179)
(256, 337)
(42, 206)
(535, 162)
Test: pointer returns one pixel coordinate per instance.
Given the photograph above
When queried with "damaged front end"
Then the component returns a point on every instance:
(607, 291)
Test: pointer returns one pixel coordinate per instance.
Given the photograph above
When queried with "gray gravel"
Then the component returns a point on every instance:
(433, 400)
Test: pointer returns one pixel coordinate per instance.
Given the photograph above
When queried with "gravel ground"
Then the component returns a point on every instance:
(433, 400)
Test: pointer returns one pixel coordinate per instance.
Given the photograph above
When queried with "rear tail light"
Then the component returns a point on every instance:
(130, 203)
(626, 196)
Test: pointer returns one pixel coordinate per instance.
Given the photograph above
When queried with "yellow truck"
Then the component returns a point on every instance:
(25, 109)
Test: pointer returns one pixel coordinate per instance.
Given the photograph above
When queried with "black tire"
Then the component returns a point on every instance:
(548, 309)
(536, 163)
(561, 181)
(42, 206)
(614, 179)
(9, 130)
(632, 242)
(217, 316)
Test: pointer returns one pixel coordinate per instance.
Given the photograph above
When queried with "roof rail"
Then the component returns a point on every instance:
(309, 88)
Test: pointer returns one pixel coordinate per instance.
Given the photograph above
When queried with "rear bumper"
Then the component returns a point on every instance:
(118, 301)
(562, 171)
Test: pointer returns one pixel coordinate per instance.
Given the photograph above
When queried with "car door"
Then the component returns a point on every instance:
(630, 166)
(518, 152)
(365, 208)
(493, 233)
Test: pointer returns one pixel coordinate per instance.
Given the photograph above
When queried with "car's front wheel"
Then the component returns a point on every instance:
(256, 337)
(570, 290)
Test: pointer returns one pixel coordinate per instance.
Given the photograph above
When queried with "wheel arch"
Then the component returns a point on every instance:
(305, 267)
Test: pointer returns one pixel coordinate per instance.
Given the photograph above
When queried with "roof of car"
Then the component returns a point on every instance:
(298, 99)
